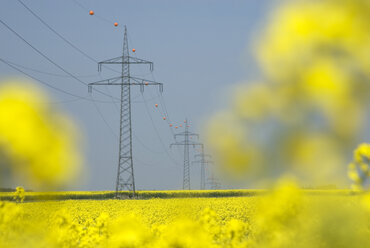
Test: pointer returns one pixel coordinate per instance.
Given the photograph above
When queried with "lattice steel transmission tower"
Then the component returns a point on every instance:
(125, 172)
(213, 182)
(203, 162)
(186, 143)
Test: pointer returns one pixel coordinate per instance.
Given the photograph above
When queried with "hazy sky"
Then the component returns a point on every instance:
(199, 50)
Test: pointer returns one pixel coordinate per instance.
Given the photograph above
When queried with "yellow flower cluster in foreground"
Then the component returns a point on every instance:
(358, 170)
(283, 218)
(38, 145)
(308, 106)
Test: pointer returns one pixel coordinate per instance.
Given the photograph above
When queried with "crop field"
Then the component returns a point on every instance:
(287, 217)
(99, 195)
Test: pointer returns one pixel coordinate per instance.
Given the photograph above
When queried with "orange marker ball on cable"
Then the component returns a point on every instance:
(146, 83)
(170, 125)
(133, 50)
(116, 24)
(156, 105)
(164, 118)
(91, 12)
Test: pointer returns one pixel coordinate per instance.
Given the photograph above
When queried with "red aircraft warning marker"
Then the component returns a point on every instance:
(116, 24)
(156, 105)
(91, 12)
(133, 50)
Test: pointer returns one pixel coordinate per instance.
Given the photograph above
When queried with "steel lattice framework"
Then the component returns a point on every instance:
(186, 143)
(213, 182)
(203, 162)
(125, 172)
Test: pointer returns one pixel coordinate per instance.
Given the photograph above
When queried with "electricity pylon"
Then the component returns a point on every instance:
(213, 182)
(186, 143)
(125, 172)
(203, 162)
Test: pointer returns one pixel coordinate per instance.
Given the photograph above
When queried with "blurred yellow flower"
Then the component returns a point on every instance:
(310, 105)
(19, 194)
(39, 143)
(358, 169)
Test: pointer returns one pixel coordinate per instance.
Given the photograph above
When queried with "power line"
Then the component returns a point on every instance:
(14, 66)
(47, 58)
(49, 85)
(55, 32)
(164, 110)
(59, 35)
(47, 73)
(156, 131)
(145, 146)
(42, 82)
(80, 51)
(97, 15)
(105, 121)
(133, 134)
(70, 74)
(162, 107)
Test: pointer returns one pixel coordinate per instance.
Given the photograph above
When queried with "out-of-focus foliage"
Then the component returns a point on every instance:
(38, 145)
(358, 169)
(19, 194)
(288, 218)
(306, 113)
(285, 217)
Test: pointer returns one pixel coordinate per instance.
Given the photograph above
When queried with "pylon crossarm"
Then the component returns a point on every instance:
(194, 143)
(177, 144)
(184, 134)
(202, 155)
(115, 60)
(106, 81)
(203, 162)
(183, 143)
(128, 60)
(139, 81)
(144, 82)
(134, 60)
(117, 81)
(108, 61)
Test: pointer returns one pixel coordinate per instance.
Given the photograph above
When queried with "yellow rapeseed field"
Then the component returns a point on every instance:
(286, 217)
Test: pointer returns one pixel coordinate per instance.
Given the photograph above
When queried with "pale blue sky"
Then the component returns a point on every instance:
(199, 50)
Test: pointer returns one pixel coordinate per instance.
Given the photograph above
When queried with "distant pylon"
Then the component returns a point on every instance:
(213, 182)
(186, 143)
(203, 162)
(125, 172)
